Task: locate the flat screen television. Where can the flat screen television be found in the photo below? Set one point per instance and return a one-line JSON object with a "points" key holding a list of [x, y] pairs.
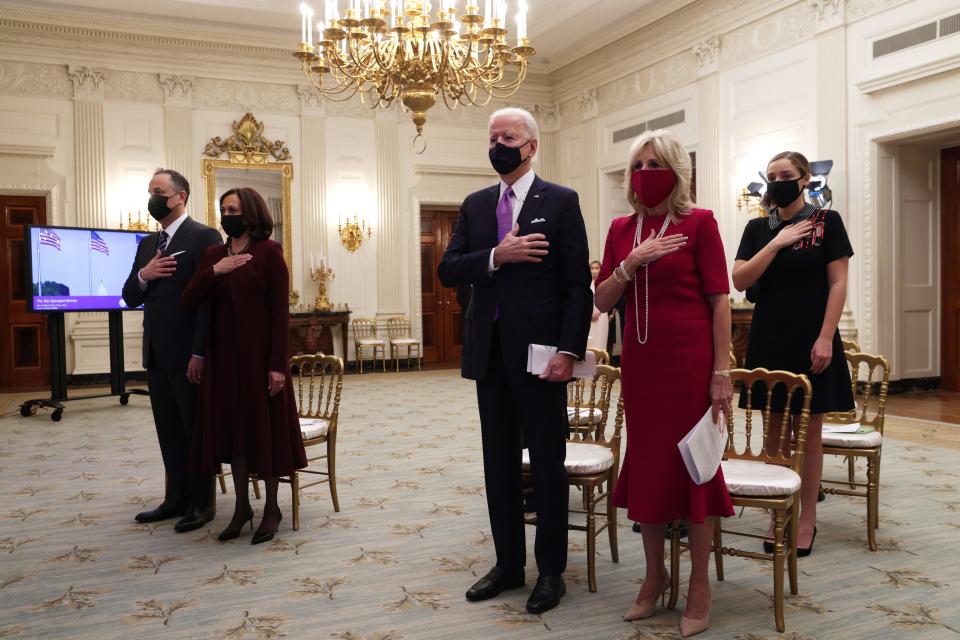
{"points": [[74, 269]]}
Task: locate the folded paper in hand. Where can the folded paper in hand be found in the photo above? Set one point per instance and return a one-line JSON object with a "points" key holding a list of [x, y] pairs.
{"points": [[539, 355], [703, 448]]}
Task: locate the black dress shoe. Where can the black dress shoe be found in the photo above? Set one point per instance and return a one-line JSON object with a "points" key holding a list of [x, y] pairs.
{"points": [[804, 552], [262, 536], [163, 512], [496, 580], [194, 519], [546, 595]]}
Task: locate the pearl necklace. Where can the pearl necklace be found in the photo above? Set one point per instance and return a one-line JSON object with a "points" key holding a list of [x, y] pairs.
{"points": [[646, 282]]}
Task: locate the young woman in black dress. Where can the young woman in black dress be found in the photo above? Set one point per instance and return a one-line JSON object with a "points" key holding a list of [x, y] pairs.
{"points": [[798, 256]]}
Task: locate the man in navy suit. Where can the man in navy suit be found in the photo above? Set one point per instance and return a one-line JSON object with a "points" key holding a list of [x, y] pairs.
{"points": [[523, 247]]}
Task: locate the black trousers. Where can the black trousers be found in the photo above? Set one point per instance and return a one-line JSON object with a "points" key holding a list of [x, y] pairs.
{"points": [[519, 410], [173, 399]]}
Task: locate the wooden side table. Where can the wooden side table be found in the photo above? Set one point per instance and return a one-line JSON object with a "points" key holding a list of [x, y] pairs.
{"points": [[310, 332]]}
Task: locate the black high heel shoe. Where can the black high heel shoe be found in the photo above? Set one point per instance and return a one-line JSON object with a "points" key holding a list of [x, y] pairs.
{"points": [[804, 552], [264, 536], [230, 534]]}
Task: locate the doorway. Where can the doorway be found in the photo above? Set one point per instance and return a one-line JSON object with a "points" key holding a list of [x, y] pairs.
{"points": [[950, 270], [439, 306], [23, 335]]}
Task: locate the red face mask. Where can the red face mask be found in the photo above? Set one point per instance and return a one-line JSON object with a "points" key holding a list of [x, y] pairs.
{"points": [[652, 186]]}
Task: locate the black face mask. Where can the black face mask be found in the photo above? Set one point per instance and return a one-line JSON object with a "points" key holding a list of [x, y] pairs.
{"points": [[157, 206], [234, 226], [506, 159], [784, 192]]}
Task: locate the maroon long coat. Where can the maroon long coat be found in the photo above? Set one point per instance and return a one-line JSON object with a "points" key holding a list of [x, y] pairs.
{"points": [[247, 338]]}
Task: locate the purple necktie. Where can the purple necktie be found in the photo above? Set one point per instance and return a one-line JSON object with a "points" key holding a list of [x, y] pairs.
{"points": [[504, 224], [504, 214]]}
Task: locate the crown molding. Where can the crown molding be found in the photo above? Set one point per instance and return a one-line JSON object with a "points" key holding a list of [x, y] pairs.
{"points": [[672, 35], [105, 45]]}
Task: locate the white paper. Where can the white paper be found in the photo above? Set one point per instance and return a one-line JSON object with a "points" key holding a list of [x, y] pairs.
{"points": [[841, 428], [538, 356], [702, 448]]}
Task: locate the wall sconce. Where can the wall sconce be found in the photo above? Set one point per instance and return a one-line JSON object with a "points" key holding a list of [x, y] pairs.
{"points": [[351, 233], [750, 197]]}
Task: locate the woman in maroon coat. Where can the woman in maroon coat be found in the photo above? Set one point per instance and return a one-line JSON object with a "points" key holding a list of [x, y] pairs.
{"points": [[247, 415]]}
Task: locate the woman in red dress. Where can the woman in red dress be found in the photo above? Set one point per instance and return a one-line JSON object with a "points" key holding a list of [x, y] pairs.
{"points": [[247, 415], [667, 259]]}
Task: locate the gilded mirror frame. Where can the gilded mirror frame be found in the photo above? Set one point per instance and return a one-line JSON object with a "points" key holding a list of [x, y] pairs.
{"points": [[247, 149]]}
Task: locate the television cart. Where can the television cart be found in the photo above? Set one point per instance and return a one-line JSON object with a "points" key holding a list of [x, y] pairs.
{"points": [[58, 368]]}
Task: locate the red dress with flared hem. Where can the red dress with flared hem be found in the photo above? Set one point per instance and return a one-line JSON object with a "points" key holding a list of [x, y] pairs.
{"points": [[666, 381]]}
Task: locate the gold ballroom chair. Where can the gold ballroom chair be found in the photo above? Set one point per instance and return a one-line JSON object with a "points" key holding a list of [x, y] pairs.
{"points": [[318, 380], [401, 338], [756, 478], [579, 414], [850, 345], [593, 463], [869, 411], [365, 337]]}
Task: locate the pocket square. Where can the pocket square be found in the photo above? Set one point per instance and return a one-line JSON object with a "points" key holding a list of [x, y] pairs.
{"points": [[536, 220]]}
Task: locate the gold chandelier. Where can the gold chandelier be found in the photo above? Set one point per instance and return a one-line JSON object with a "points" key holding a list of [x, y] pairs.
{"points": [[414, 59]]}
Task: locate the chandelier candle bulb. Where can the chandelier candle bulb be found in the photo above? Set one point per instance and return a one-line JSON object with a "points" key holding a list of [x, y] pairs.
{"points": [[306, 13], [521, 23]]}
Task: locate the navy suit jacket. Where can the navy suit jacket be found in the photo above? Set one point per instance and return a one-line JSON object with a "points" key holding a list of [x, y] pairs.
{"points": [[173, 331], [546, 302]]}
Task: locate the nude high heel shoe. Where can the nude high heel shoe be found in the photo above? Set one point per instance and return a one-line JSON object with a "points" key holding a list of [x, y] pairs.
{"points": [[693, 626], [645, 608]]}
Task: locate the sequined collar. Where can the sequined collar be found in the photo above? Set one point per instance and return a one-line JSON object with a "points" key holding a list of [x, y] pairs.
{"points": [[775, 219]]}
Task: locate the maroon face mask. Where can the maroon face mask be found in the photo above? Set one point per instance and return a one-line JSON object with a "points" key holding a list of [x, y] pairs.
{"points": [[652, 186]]}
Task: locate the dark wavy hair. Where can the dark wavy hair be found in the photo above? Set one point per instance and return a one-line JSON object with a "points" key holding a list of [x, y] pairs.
{"points": [[253, 210]]}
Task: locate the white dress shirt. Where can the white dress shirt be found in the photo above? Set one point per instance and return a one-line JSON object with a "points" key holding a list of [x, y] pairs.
{"points": [[520, 190], [170, 230]]}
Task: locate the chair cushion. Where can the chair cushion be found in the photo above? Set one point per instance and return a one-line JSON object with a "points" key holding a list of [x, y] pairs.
{"points": [[311, 428], [369, 341], [404, 341], [586, 414], [583, 459], [867, 439], [745, 478]]}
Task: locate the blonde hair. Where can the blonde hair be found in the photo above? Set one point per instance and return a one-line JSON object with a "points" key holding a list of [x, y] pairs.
{"points": [[670, 150]]}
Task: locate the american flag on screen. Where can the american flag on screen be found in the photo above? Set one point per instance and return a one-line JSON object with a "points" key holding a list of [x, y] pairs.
{"points": [[50, 238], [97, 243]]}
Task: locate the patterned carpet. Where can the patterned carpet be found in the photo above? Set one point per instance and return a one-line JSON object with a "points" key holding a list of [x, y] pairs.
{"points": [[412, 536]]}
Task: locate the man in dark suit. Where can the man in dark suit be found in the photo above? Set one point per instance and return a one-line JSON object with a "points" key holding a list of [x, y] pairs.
{"points": [[173, 344], [523, 247]]}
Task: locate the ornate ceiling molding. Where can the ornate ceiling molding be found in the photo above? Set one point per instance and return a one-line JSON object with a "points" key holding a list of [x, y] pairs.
{"points": [[177, 90], [708, 56], [828, 13], [87, 82]]}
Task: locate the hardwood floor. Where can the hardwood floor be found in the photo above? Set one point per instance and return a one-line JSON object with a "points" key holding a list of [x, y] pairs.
{"points": [[943, 406]]}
